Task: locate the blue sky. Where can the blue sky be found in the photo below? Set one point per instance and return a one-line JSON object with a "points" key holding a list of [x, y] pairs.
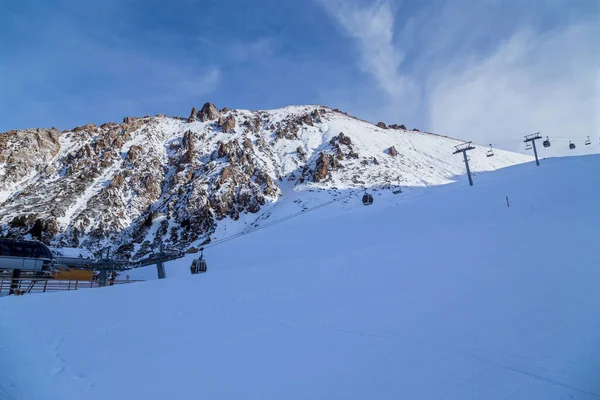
{"points": [[486, 70]]}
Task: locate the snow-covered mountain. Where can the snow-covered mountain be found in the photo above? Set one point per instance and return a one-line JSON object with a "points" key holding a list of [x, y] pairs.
{"points": [[180, 181]]}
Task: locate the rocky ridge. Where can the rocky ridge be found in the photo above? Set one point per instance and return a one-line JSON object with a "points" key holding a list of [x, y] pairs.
{"points": [[151, 180]]}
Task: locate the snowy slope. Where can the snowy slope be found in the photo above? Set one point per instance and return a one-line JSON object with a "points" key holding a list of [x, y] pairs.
{"points": [[437, 293], [181, 182]]}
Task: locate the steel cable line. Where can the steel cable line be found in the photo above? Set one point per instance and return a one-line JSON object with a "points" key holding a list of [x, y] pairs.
{"points": [[274, 222]]}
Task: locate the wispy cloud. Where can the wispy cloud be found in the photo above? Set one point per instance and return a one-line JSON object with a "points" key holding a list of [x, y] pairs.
{"points": [[486, 71], [532, 82], [258, 49], [371, 25]]}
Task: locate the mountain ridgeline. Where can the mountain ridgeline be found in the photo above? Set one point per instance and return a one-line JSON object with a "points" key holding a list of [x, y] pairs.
{"points": [[173, 180]]}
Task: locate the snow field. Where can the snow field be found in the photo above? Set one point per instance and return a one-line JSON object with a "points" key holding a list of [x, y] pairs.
{"points": [[436, 293]]}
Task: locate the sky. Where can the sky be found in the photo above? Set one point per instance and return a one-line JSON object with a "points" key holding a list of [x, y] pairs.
{"points": [[489, 71]]}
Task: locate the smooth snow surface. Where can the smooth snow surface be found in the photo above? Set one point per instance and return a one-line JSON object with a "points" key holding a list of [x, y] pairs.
{"points": [[437, 293]]}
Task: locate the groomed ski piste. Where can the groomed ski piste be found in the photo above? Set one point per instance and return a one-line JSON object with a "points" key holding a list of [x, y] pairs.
{"points": [[436, 293]]}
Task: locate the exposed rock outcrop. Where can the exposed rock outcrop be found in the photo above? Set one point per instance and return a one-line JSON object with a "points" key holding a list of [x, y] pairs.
{"points": [[392, 151], [227, 123], [322, 168], [193, 115], [209, 112], [301, 153]]}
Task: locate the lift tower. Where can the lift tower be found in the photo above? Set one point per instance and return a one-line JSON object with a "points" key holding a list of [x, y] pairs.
{"points": [[463, 148], [532, 138]]}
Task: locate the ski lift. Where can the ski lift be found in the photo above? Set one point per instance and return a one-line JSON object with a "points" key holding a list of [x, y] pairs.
{"points": [[199, 264], [588, 141], [367, 199], [546, 142], [528, 146], [571, 145], [490, 152]]}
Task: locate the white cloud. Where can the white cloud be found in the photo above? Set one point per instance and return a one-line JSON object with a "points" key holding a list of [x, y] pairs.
{"points": [[258, 49], [372, 27], [487, 71], [533, 82]]}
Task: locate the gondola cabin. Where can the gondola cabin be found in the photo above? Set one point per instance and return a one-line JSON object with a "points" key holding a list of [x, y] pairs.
{"points": [[199, 264], [367, 199], [546, 142]]}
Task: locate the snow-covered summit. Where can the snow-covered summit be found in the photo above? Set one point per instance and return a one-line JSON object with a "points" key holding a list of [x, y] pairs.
{"points": [[180, 180]]}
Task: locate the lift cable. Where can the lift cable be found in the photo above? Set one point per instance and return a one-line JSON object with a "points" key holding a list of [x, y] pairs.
{"points": [[274, 222]]}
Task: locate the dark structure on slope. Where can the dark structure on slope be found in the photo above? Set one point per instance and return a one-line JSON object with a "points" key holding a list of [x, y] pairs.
{"points": [[24, 255]]}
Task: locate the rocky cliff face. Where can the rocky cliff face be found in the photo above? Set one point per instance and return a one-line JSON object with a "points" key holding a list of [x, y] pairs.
{"points": [[151, 180]]}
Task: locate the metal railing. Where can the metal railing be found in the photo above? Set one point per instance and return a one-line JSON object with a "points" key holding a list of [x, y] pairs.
{"points": [[45, 284]]}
